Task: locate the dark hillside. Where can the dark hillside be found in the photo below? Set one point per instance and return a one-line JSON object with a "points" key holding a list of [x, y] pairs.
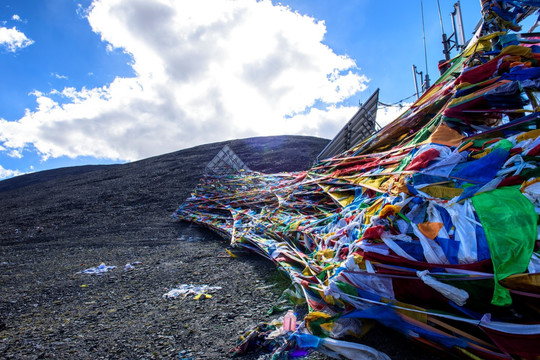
{"points": [[58, 222], [118, 196], [44, 176]]}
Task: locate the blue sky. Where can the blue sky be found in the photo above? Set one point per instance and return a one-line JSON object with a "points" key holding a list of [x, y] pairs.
{"points": [[108, 81]]}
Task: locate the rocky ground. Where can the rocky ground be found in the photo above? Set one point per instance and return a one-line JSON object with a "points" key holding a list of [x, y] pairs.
{"points": [[56, 223]]}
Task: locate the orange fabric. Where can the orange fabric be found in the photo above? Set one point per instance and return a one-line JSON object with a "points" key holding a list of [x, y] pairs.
{"points": [[399, 186], [445, 135], [519, 63], [430, 229]]}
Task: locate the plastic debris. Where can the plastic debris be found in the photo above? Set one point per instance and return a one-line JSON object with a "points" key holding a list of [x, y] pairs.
{"points": [[230, 253], [269, 338], [200, 291], [99, 270], [353, 351], [185, 355], [289, 322], [131, 266]]}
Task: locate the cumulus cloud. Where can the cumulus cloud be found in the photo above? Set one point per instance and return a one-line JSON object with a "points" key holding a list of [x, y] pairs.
{"points": [[16, 17], [205, 71], [387, 114], [7, 173], [13, 39]]}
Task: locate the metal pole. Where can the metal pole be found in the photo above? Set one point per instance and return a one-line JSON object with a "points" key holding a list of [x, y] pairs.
{"points": [[440, 17], [415, 81], [446, 46], [424, 36], [426, 84]]}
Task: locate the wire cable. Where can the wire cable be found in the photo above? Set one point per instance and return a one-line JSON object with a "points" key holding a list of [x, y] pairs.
{"points": [[397, 102]]}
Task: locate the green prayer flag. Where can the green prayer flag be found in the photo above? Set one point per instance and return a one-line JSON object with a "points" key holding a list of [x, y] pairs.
{"points": [[510, 224]]}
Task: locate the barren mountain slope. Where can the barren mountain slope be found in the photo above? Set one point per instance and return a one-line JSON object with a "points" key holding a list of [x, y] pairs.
{"points": [[59, 222]]}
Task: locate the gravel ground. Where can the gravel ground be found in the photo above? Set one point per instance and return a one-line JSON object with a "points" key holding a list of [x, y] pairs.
{"points": [[56, 223]]}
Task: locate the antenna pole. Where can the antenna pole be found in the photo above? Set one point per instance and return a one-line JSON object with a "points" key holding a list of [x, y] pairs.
{"points": [[424, 36], [440, 17], [426, 83], [445, 41]]}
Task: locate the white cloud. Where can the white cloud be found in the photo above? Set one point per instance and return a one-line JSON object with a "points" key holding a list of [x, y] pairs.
{"points": [[81, 11], [58, 76], [12, 39], [387, 114], [7, 173], [205, 71], [15, 153], [16, 17]]}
